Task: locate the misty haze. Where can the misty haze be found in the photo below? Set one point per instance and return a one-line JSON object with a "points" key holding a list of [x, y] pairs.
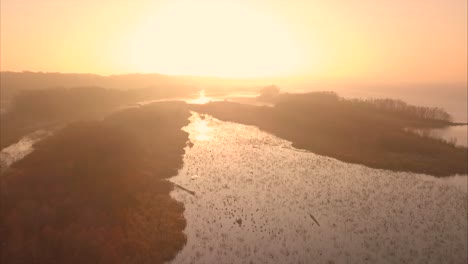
{"points": [[157, 131]]}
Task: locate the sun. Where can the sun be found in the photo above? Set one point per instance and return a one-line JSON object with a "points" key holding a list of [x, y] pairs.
{"points": [[213, 38]]}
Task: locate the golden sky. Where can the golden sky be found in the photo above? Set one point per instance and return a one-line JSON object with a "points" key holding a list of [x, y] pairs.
{"points": [[397, 40]]}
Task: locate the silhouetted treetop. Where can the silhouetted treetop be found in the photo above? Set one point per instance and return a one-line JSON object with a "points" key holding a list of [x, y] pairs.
{"points": [[388, 106]]}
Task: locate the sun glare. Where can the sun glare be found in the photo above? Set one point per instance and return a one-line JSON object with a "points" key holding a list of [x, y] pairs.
{"points": [[214, 38], [201, 130], [201, 99]]}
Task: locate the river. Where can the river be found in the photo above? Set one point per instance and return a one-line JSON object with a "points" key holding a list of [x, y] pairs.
{"points": [[259, 200], [20, 149]]}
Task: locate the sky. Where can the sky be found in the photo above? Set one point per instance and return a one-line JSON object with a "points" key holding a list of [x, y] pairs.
{"points": [[372, 40]]}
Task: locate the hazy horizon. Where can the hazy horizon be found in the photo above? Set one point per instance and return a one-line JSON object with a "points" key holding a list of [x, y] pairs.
{"points": [[303, 80], [397, 41]]}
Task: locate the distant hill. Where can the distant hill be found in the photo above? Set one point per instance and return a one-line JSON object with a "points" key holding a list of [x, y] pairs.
{"points": [[13, 82]]}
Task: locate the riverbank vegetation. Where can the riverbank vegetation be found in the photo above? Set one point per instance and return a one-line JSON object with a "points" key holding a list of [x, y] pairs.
{"points": [[96, 192], [368, 132], [35, 109]]}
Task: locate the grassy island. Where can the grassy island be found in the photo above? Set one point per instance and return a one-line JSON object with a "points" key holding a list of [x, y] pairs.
{"points": [[368, 132], [96, 192]]}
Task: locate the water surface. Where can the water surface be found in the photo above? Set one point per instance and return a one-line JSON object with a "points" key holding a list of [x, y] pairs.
{"points": [[458, 135], [259, 200], [20, 149]]}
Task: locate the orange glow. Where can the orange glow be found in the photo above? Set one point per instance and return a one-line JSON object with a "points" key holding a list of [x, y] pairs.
{"points": [[396, 40], [214, 38], [201, 99]]}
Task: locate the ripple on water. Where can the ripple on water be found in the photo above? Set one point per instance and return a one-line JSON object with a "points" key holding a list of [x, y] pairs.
{"points": [[257, 197]]}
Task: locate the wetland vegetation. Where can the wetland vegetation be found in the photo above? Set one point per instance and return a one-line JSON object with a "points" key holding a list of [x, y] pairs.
{"points": [[96, 191], [368, 132]]}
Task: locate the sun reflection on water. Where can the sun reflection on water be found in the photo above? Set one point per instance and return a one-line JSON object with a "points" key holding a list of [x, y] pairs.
{"points": [[240, 164], [202, 99], [201, 129]]}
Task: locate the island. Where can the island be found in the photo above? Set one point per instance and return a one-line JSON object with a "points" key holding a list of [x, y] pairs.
{"points": [[371, 132], [97, 191]]}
